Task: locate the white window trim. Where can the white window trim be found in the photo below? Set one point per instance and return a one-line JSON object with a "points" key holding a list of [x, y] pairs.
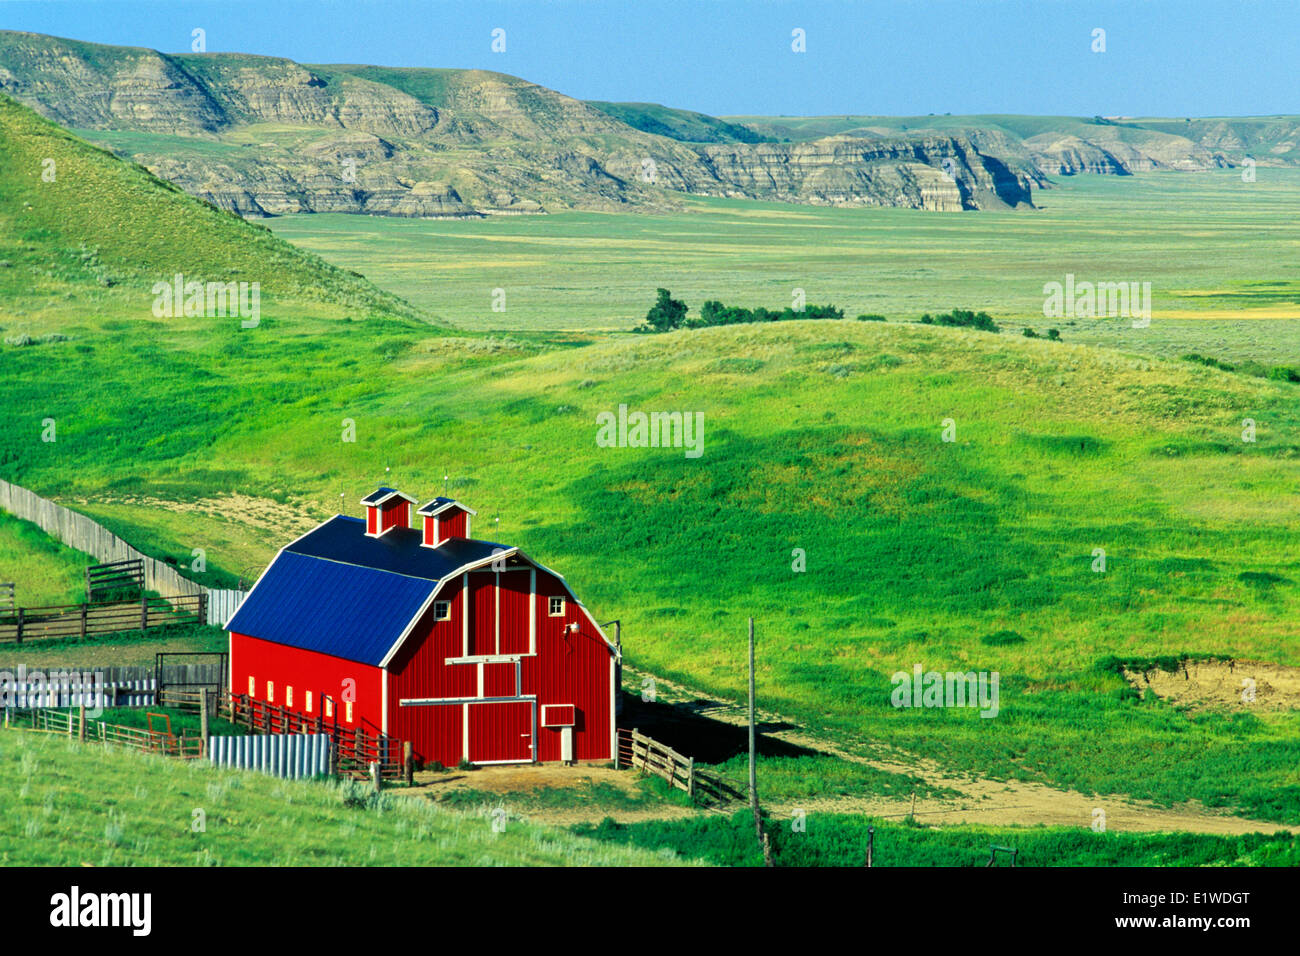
{"points": [[446, 608], [555, 597]]}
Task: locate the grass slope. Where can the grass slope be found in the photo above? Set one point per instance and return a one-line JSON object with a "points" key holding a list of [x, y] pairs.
{"points": [[98, 235], [824, 436], [684, 125], [42, 570], [142, 809]]}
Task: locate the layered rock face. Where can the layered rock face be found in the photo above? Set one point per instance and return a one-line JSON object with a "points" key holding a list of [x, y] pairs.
{"points": [[267, 136]]}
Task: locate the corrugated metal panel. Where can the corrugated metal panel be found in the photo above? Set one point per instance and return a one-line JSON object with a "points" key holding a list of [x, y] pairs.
{"points": [[330, 608], [289, 756]]}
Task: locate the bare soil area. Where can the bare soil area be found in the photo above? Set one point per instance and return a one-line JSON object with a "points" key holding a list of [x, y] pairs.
{"points": [[1227, 685]]}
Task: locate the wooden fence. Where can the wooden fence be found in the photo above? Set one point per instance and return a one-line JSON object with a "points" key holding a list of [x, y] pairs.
{"points": [[72, 724], [354, 749], [125, 575], [82, 620], [77, 531], [644, 753]]}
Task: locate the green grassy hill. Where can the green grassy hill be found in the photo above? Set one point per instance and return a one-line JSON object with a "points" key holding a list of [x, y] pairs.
{"points": [[142, 812], [82, 232], [825, 436], [685, 125]]}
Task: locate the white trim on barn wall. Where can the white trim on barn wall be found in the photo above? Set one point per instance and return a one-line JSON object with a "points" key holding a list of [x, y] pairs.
{"points": [[383, 724], [613, 720], [532, 611], [496, 611]]}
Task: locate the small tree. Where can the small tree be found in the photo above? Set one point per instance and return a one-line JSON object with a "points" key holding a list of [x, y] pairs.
{"points": [[666, 314]]}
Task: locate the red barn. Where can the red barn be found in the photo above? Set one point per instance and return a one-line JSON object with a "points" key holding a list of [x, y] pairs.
{"points": [[468, 649]]}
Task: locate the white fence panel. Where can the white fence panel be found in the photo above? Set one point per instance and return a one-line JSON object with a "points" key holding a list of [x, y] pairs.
{"points": [[222, 605]]}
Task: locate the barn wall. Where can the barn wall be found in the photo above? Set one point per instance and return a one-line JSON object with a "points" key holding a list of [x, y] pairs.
{"points": [[305, 671], [570, 668]]}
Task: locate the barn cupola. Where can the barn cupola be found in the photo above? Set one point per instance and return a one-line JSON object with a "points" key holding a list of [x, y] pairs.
{"points": [[445, 518], [386, 508]]}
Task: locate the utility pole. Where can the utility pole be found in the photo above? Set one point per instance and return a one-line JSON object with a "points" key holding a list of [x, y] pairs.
{"points": [[753, 764]]}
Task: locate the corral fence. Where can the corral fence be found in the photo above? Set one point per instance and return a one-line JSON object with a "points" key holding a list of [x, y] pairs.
{"points": [[85, 534], [122, 566], [7, 596], [353, 749], [648, 755], [76, 725], [105, 687], [125, 575], [110, 617]]}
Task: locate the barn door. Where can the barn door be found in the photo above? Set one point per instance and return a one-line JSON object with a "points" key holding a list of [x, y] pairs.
{"points": [[501, 732]]}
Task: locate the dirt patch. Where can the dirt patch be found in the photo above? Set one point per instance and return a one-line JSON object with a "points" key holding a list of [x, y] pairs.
{"points": [[580, 794], [281, 521], [1223, 685]]}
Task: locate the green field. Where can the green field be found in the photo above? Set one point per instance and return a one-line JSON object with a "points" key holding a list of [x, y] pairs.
{"points": [[141, 812], [975, 554], [42, 570], [1215, 250], [835, 840]]}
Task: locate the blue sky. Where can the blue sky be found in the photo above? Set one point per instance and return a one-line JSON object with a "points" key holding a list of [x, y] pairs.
{"points": [[903, 57]]}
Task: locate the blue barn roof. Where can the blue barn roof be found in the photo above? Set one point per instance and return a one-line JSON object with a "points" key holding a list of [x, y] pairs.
{"points": [[337, 591]]}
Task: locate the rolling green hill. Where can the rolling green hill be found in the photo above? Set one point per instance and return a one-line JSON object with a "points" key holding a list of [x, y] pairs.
{"points": [[685, 125], [81, 228], [824, 436], [142, 812]]}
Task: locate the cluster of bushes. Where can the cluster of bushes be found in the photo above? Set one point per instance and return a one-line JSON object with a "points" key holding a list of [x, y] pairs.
{"points": [[1277, 373], [668, 313], [962, 317], [1053, 334]]}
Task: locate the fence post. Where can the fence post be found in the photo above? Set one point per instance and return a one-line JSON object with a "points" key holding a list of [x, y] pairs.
{"points": [[375, 778], [83, 621], [81, 721], [203, 607], [19, 637], [203, 716], [408, 762], [690, 776]]}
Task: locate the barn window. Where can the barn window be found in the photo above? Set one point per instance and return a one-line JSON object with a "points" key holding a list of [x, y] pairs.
{"points": [[556, 607], [270, 692], [288, 696], [442, 610], [329, 707], [347, 711], [252, 685], [307, 701]]}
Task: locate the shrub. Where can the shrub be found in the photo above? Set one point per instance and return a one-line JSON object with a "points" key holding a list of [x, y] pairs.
{"points": [[1002, 639], [1029, 333], [1054, 334], [871, 317]]}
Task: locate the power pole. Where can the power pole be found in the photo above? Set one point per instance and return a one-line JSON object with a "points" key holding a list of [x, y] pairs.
{"points": [[753, 764]]}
